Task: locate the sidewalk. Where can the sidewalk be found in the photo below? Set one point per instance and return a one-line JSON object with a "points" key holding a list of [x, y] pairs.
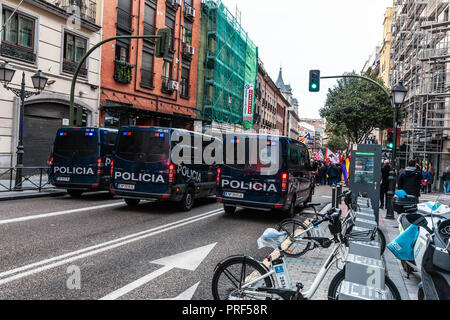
{"points": [[407, 287], [26, 194]]}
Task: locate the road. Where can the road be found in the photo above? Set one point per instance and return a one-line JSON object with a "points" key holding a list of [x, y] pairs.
{"points": [[97, 247]]}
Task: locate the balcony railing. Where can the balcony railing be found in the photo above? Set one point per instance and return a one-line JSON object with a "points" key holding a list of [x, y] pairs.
{"points": [[86, 9], [70, 67], [124, 20], [165, 85], [147, 78], [17, 52]]}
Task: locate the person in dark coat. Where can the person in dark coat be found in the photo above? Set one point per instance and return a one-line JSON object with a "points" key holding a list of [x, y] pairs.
{"points": [[323, 174], [446, 178], [333, 173], [410, 180], [384, 186]]}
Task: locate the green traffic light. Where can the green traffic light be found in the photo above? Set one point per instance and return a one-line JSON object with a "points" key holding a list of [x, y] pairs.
{"points": [[390, 145]]}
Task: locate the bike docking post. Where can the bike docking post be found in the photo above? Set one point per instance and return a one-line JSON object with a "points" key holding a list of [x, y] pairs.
{"points": [[364, 269], [333, 198]]}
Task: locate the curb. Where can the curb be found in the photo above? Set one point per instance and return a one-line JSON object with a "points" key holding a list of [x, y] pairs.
{"points": [[31, 195]]}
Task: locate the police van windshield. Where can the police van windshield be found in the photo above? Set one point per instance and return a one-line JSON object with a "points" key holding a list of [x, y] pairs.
{"points": [[145, 146], [251, 153], [76, 144]]}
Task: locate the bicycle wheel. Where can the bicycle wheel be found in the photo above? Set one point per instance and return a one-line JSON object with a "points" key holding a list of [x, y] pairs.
{"points": [[381, 240], [335, 287], [294, 246], [232, 274]]}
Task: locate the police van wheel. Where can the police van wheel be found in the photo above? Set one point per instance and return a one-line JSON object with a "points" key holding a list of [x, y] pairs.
{"points": [[229, 209], [132, 202], [75, 193], [187, 203]]}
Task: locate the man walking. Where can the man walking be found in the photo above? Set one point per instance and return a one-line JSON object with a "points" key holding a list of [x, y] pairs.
{"points": [[384, 186], [333, 173], [446, 178], [410, 180]]}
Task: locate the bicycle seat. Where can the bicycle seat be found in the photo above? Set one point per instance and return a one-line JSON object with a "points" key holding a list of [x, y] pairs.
{"points": [[312, 204]]}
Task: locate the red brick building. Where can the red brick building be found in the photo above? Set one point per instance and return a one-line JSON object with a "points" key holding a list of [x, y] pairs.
{"points": [[136, 87]]}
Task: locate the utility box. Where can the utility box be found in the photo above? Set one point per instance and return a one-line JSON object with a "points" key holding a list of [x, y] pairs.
{"points": [[365, 173]]}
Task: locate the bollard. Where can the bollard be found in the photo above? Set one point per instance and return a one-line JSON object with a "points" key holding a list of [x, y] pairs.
{"points": [[333, 197], [339, 194]]}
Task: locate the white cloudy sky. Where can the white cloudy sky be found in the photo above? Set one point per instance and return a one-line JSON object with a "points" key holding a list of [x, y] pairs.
{"points": [[334, 36]]}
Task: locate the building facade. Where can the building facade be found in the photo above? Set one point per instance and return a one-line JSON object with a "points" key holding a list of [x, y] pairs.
{"points": [[267, 94], [420, 58], [137, 88], [51, 36]]}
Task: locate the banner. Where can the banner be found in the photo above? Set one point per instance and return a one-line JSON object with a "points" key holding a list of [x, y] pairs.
{"points": [[305, 138], [248, 102]]}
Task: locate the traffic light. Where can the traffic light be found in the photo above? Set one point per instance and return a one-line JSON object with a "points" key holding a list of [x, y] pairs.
{"points": [[390, 140], [314, 80], [162, 44]]}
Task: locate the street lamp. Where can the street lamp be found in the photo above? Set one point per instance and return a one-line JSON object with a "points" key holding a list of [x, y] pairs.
{"points": [[398, 97], [39, 82]]}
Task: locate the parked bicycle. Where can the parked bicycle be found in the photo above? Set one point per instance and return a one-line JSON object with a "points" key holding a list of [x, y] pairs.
{"points": [[300, 233], [244, 278]]}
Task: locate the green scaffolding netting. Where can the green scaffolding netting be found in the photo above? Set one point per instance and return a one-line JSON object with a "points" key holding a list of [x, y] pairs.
{"points": [[228, 61]]}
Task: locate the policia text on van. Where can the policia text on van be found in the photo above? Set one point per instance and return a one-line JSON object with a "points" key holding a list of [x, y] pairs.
{"points": [[81, 159], [285, 188], [143, 168]]}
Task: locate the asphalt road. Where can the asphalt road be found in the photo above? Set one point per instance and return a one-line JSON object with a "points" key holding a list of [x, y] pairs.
{"points": [[97, 247]]}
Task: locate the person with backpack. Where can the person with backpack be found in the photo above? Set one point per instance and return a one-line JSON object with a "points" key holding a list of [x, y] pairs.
{"points": [[410, 180], [446, 178]]}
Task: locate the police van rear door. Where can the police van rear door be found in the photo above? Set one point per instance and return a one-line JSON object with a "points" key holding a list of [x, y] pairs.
{"points": [[142, 163], [75, 155], [247, 176]]}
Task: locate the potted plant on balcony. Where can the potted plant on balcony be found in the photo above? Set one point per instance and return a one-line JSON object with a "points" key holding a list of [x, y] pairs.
{"points": [[123, 72]]}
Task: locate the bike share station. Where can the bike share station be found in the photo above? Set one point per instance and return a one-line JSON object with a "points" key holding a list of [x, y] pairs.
{"points": [[365, 270]]}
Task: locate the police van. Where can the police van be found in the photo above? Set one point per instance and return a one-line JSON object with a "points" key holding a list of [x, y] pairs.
{"points": [[281, 180], [144, 167], [81, 159]]}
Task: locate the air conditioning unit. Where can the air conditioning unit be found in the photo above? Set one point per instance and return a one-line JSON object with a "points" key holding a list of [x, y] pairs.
{"points": [[173, 85], [174, 2], [190, 12], [189, 50]]}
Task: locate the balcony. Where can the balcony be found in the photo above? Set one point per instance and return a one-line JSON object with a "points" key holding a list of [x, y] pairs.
{"points": [[86, 10], [124, 20], [70, 67], [17, 52], [147, 77], [123, 72], [165, 85]]}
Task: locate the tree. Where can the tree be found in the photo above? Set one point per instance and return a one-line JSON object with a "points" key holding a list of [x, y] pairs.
{"points": [[355, 107], [336, 138]]}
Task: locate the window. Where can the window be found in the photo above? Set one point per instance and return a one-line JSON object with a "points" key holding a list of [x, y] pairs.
{"points": [[18, 36], [170, 23], [147, 69], [122, 49], [184, 85], [74, 49], [166, 76], [187, 33]]}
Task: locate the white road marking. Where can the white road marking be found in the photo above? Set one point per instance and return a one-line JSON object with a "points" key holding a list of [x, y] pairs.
{"points": [[60, 213], [54, 262], [188, 260]]}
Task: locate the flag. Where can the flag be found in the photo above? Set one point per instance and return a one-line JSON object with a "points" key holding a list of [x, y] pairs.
{"points": [[332, 157], [346, 169], [305, 138]]}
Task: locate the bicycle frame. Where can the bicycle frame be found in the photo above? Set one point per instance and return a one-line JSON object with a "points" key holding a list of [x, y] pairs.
{"points": [[315, 285]]}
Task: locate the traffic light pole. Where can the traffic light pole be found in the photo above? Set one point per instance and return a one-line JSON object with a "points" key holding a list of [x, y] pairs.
{"points": [[77, 71], [360, 77]]}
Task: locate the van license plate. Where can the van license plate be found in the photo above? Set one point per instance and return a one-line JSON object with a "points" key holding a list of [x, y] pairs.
{"points": [[126, 186], [63, 179], [234, 195]]}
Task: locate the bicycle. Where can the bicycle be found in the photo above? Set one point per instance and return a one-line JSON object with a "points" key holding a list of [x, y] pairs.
{"points": [[257, 281], [300, 234]]}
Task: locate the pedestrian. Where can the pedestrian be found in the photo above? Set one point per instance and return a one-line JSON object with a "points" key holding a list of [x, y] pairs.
{"points": [[384, 185], [324, 173], [410, 179], [431, 181], [446, 178], [426, 177], [333, 173]]}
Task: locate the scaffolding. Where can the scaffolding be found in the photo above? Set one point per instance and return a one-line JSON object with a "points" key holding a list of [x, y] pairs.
{"points": [[420, 58], [228, 62]]}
